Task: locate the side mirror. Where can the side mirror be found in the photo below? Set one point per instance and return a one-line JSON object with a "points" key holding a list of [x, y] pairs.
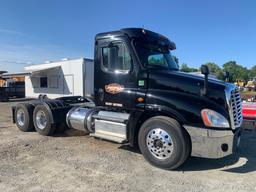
{"points": [[205, 70]]}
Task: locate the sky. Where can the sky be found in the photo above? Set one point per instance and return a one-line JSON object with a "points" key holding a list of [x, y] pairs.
{"points": [[35, 31]]}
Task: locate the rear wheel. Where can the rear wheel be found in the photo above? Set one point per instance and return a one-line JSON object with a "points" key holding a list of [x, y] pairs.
{"points": [[43, 120], [24, 117], [163, 142]]}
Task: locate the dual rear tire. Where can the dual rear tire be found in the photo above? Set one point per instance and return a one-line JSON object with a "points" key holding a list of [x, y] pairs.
{"points": [[39, 118], [24, 117], [43, 122]]}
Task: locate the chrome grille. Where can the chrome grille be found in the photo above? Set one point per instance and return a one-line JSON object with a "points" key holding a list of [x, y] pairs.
{"points": [[235, 108]]}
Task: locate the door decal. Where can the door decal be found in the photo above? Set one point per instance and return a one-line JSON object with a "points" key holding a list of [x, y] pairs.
{"points": [[114, 88]]}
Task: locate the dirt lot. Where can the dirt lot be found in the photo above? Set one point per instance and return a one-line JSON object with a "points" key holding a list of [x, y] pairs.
{"points": [[75, 162]]}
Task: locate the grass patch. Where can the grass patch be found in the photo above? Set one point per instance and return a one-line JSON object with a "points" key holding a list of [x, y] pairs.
{"points": [[247, 94]]}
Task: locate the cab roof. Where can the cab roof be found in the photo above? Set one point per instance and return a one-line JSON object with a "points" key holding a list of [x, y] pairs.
{"points": [[138, 33]]}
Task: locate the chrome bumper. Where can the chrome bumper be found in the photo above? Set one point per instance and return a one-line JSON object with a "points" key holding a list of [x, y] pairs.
{"points": [[213, 144]]}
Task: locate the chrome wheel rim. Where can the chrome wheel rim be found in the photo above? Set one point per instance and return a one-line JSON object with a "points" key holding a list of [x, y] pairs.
{"points": [[21, 117], [159, 143], [41, 120]]}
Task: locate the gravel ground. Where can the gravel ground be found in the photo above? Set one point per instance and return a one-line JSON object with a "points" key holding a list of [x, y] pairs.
{"points": [[76, 162]]}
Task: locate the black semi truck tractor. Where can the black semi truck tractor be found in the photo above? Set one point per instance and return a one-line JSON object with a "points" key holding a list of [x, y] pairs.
{"points": [[141, 98]]}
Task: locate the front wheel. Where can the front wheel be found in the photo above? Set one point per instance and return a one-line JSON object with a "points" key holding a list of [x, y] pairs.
{"points": [[164, 143]]}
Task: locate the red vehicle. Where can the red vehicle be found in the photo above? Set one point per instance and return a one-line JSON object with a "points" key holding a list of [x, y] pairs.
{"points": [[249, 115]]}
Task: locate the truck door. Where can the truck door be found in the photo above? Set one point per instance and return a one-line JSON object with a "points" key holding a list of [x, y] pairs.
{"points": [[115, 74]]}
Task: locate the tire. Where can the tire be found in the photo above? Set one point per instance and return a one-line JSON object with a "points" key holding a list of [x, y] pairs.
{"points": [[164, 143], [24, 117], [42, 119]]}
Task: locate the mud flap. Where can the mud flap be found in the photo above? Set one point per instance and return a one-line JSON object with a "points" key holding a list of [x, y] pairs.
{"points": [[13, 114]]}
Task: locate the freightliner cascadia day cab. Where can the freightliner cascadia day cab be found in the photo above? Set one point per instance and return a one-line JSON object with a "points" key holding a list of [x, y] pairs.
{"points": [[141, 98]]}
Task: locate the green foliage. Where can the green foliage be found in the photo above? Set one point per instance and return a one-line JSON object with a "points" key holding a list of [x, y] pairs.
{"points": [[236, 71], [154, 60], [215, 70], [184, 67], [252, 72]]}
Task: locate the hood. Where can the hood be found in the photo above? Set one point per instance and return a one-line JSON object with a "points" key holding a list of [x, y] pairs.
{"points": [[187, 83], [211, 78]]}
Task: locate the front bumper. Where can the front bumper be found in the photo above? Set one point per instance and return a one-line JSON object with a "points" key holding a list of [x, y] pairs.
{"points": [[211, 143]]}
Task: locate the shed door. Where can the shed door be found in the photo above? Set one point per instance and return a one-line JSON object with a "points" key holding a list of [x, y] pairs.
{"points": [[68, 85]]}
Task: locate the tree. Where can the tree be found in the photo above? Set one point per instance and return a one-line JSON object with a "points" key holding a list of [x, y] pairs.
{"points": [[184, 67], [215, 70], [236, 71], [252, 73]]}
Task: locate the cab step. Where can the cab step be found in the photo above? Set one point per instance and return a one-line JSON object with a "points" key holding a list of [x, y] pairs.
{"points": [[109, 137], [111, 126]]}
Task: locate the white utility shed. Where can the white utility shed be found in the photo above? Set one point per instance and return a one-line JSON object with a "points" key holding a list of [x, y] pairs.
{"points": [[63, 78]]}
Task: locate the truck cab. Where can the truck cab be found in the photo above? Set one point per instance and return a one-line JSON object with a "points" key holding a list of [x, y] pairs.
{"points": [[141, 98], [12, 89]]}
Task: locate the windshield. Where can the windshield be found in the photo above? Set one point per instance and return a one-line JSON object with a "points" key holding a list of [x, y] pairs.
{"points": [[155, 56]]}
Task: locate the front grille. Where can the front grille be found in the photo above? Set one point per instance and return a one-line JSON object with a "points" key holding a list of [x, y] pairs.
{"points": [[235, 109]]}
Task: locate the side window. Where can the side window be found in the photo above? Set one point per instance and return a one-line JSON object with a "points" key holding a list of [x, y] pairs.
{"points": [[43, 82], [157, 59], [116, 58]]}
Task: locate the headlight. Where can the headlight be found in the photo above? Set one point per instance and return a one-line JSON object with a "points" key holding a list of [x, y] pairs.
{"points": [[214, 119]]}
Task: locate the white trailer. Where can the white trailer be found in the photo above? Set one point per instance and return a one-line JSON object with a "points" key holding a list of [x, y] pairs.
{"points": [[58, 79]]}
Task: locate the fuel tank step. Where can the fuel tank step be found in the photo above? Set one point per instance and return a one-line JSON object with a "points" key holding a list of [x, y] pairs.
{"points": [[111, 126], [109, 137]]}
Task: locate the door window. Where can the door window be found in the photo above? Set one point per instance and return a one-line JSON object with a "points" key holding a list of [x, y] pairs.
{"points": [[157, 59], [116, 58]]}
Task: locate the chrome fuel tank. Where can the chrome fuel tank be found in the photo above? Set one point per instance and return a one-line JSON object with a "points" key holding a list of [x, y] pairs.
{"points": [[80, 118]]}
